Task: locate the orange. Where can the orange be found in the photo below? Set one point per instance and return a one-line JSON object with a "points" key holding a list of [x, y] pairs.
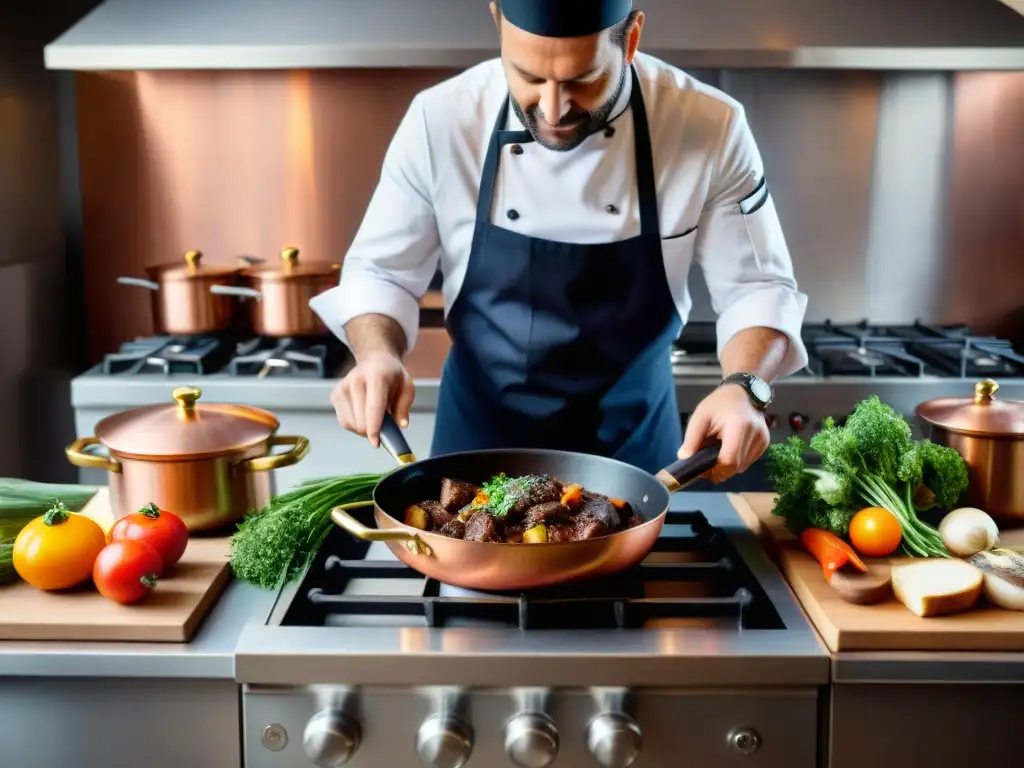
{"points": [[875, 532]]}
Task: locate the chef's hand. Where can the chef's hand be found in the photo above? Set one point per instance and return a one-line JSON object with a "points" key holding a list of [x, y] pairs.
{"points": [[727, 414], [377, 384]]}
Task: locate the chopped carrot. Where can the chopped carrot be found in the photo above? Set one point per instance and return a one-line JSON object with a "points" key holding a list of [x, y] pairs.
{"points": [[481, 499], [618, 503], [831, 552], [572, 495]]}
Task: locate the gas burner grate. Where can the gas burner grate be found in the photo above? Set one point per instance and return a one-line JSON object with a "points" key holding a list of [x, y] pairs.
{"points": [[866, 358], [167, 354], [909, 350], [294, 358], [616, 602]]}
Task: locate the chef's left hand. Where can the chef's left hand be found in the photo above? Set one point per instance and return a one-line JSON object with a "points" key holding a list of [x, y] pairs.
{"points": [[727, 414]]}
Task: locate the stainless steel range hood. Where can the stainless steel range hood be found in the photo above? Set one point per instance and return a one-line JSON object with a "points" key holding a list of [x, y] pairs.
{"points": [[286, 34]]}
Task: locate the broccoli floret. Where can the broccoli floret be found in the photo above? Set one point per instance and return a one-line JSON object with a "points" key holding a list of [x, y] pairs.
{"points": [[881, 436], [786, 465], [798, 502], [945, 473]]}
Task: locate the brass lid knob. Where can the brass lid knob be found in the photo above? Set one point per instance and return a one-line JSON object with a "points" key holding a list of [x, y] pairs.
{"points": [[984, 391], [290, 256], [192, 258], [186, 398]]}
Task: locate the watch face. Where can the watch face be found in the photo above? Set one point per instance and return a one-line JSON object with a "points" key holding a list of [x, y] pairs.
{"points": [[759, 388]]}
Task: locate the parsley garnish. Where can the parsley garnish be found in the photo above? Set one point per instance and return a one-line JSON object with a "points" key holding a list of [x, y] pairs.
{"points": [[503, 492]]}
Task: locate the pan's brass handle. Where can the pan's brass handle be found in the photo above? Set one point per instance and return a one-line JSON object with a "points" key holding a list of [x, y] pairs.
{"points": [[80, 457], [300, 447], [345, 521]]}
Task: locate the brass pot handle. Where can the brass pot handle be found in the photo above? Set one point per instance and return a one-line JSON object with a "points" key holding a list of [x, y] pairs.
{"points": [[346, 522], [300, 447], [80, 457]]}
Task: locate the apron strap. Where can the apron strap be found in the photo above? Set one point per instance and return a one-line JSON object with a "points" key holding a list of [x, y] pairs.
{"points": [[499, 138], [647, 193]]}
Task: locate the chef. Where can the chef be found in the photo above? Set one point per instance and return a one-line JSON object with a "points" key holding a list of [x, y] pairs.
{"points": [[565, 190]]}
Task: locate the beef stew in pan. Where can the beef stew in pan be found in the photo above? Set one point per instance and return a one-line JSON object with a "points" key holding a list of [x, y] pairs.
{"points": [[530, 509]]}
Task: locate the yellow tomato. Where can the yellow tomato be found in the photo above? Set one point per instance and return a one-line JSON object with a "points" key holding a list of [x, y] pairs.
{"points": [[57, 550], [875, 532]]}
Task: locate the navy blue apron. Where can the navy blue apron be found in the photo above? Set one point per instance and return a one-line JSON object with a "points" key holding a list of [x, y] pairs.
{"points": [[561, 345]]}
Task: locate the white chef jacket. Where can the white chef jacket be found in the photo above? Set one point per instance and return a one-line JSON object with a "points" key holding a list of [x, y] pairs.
{"points": [[714, 207]]}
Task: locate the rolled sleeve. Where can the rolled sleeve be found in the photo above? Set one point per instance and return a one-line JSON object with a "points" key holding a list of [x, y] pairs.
{"points": [[742, 251], [395, 253]]}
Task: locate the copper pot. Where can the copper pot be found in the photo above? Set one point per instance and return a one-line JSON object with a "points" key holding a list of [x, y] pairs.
{"points": [[209, 464], [183, 302], [989, 434], [281, 292]]}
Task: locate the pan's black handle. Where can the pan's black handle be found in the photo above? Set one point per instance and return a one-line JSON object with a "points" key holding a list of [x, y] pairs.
{"points": [[682, 472], [394, 442]]}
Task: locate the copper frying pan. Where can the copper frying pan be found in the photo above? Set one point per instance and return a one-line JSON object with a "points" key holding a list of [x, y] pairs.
{"points": [[514, 567]]}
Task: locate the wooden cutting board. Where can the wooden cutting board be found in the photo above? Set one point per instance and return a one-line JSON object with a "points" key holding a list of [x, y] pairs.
{"points": [[886, 626], [171, 613]]}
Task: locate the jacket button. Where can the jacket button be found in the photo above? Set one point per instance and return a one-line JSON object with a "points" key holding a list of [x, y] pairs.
{"points": [[611, 209], [609, 131], [517, 149], [512, 214]]}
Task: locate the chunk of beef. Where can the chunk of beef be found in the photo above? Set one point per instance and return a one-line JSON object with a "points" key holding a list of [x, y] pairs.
{"points": [[589, 528], [598, 507], [456, 494], [454, 529], [548, 512], [439, 516], [483, 526], [563, 532], [538, 489]]}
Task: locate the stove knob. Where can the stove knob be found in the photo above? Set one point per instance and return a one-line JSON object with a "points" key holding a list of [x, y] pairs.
{"points": [[331, 738], [444, 741], [614, 740], [746, 741], [531, 740]]}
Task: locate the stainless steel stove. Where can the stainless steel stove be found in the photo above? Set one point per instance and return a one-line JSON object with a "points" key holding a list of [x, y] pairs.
{"points": [[698, 657], [903, 364], [205, 355]]}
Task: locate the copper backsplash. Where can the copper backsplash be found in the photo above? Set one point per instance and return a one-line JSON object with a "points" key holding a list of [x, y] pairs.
{"points": [[229, 163], [235, 163]]}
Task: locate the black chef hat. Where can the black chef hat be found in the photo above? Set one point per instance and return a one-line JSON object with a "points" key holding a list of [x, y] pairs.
{"points": [[565, 18]]}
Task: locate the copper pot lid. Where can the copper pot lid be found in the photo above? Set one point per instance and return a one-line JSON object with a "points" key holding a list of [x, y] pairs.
{"points": [[192, 268], [185, 429], [289, 267], [983, 415]]}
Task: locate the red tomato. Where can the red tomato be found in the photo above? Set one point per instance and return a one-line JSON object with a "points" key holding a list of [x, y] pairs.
{"points": [[125, 571], [163, 531]]}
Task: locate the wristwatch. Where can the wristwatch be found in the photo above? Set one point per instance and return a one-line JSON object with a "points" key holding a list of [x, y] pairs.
{"points": [[759, 390]]}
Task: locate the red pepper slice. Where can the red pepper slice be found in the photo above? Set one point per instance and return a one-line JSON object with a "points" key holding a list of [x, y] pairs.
{"points": [[831, 552]]}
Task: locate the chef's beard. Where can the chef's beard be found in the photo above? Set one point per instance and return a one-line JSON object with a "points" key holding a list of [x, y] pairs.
{"points": [[586, 122]]}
